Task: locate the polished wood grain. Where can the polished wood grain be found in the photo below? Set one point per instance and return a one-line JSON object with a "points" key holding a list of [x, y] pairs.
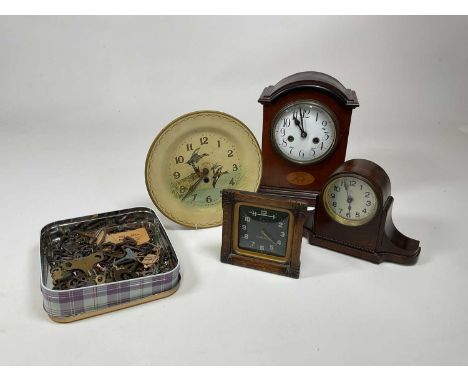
{"points": [[378, 240], [278, 171]]}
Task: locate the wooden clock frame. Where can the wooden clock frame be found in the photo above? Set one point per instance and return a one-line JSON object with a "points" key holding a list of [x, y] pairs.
{"points": [[378, 239], [286, 178], [230, 252]]}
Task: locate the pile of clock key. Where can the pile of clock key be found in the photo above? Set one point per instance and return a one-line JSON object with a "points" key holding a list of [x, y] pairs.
{"points": [[206, 168]]}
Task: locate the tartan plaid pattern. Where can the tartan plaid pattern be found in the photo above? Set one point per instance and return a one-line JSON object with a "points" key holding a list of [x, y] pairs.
{"points": [[64, 303]]}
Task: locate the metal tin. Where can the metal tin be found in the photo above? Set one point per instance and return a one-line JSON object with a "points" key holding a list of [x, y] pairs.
{"points": [[75, 304]]}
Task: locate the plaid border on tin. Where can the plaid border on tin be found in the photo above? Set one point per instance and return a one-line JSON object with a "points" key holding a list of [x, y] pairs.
{"points": [[72, 302]]}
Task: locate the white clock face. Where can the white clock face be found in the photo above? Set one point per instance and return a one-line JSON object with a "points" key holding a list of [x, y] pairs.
{"points": [[304, 132], [350, 200]]}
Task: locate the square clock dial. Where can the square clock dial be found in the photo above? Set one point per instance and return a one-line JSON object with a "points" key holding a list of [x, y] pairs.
{"points": [[263, 230]]}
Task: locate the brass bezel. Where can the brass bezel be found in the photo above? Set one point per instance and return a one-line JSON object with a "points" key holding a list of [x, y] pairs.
{"points": [[340, 219], [244, 252], [320, 106]]}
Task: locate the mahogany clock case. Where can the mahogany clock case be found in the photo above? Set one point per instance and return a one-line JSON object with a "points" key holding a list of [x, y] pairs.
{"points": [[230, 253], [286, 178], [377, 240]]}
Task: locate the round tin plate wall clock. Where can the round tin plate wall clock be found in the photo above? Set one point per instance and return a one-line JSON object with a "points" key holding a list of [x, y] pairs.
{"points": [[193, 159]]}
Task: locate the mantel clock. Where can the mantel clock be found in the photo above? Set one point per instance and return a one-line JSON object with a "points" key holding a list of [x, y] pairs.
{"points": [[353, 215], [306, 120]]}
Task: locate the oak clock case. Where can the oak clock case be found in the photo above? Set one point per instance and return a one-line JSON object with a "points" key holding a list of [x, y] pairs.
{"points": [[196, 156], [262, 232], [306, 119], [353, 215]]}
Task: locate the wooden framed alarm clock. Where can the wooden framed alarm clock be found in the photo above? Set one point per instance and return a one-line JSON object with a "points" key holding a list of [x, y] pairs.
{"points": [[306, 119], [353, 215], [262, 232]]}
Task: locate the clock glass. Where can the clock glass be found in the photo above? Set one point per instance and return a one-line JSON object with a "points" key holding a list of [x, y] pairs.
{"points": [[263, 230], [350, 200], [304, 132], [193, 159]]}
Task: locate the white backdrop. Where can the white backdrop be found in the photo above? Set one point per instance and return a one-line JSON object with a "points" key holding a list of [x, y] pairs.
{"points": [[81, 100]]}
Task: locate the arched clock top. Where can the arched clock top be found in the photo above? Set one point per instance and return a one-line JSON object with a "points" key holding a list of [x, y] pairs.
{"points": [[311, 80]]}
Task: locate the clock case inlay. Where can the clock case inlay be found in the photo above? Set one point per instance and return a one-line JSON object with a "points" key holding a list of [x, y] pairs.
{"points": [[377, 240], [282, 177], [298, 210]]}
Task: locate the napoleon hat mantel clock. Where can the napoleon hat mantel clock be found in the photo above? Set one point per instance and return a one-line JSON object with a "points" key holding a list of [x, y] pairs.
{"points": [[306, 119], [353, 215]]}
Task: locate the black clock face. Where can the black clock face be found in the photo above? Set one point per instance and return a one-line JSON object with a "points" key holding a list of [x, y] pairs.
{"points": [[263, 230]]}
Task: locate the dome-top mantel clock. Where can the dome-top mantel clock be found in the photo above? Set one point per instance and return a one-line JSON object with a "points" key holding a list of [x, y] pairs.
{"points": [[306, 120]]}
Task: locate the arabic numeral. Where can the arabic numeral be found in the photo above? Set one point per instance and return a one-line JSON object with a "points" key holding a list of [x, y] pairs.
{"points": [[358, 215], [348, 214], [189, 147], [352, 183], [194, 197], [332, 195], [334, 204], [286, 123], [208, 199], [282, 234], [301, 153], [324, 123], [234, 167], [246, 235], [179, 159], [176, 175], [262, 248], [231, 182], [182, 189], [243, 227], [337, 188], [328, 136], [368, 203], [291, 148], [230, 153], [313, 152], [364, 211], [280, 225], [272, 247], [219, 143], [367, 194], [247, 219], [284, 143], [204, 140], [283, 132], [278, 242]]}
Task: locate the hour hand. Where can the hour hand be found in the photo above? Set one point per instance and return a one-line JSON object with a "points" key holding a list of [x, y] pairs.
{"points": [[300, 125]]}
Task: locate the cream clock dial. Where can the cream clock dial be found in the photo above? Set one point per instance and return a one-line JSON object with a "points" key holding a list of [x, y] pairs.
{"points": [[193, 159], [304, 132], [350, 200]]}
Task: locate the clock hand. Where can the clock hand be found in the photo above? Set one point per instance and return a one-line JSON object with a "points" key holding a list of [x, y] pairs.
{"points": [[194, 186], [303, 133], [298, 124], [349, 198], [268, 237]]}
